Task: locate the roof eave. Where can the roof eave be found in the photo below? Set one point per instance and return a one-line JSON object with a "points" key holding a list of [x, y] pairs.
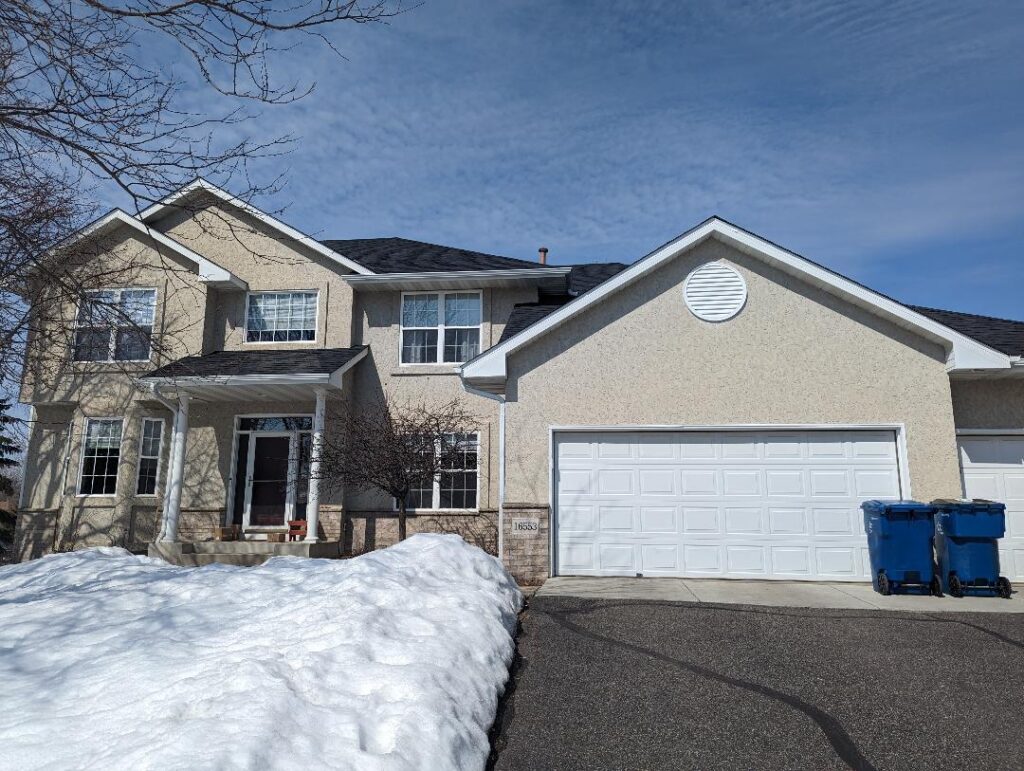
{"points": [[551, 277], [963, 353]]}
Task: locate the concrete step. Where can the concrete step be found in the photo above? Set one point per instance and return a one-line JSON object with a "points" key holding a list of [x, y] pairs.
{"points": [[241, 560], [266, 548]]}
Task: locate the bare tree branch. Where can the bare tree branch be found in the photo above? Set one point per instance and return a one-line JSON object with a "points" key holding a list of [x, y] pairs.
{"points": [[397, 448]]}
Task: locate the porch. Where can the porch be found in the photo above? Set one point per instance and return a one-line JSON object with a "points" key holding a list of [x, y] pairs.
{"points": [[271, 487], [242, 553]]}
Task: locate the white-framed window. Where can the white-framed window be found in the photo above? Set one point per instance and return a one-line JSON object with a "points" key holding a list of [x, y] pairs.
{"points": [[281, 317], [115, 325], [456, 486], [101, 456], [440, 327], [150, 442]]}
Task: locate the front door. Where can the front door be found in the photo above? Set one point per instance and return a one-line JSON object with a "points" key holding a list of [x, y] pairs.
{"points": [[269, 490]]}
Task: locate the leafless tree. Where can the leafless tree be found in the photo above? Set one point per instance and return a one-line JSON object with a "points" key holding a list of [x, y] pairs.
{"points": [[93, 95], [397, 448]]}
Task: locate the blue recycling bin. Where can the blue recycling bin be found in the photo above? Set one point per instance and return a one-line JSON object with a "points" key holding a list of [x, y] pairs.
{"points": [[966, 544], [900, 544]]}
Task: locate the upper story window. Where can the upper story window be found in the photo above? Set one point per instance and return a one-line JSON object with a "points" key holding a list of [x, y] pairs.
{"points": [[440, 327], [281, 317], [115, 325]]}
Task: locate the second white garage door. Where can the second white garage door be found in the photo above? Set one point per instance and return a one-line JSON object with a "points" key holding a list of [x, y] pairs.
{"points": [[766, 504]]}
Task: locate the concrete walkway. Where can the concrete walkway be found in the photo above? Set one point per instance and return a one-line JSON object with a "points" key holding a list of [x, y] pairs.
{"points": [[794, 594]]}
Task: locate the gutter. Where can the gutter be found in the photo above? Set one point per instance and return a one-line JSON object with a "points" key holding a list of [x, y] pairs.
{"points": [[501, 464]]}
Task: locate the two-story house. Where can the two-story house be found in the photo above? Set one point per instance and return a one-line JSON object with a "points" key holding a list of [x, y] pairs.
{"points": [[720, 407]]}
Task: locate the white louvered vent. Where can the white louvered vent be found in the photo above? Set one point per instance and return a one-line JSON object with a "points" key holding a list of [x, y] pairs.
{"points": [[714, 292]]}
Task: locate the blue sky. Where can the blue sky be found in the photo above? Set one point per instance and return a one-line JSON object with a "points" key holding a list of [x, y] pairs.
{"points": [[883, 139]]}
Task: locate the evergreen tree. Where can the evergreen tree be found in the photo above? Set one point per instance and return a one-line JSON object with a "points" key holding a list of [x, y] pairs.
{"points": [[9, 448]]}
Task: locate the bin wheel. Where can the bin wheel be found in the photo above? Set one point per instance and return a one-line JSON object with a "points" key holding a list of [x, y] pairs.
{"points": [[936, 586], [884, 587], [956, 587], [1003, 588]]}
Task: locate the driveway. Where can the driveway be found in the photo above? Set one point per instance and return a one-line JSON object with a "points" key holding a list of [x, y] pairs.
{"points": [[649, 684]]}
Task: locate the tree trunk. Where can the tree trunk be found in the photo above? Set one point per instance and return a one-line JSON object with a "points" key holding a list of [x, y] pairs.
{"points": [[401, 520]]}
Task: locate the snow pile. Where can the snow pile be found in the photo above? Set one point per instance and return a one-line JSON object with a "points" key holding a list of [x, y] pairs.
{"points": [[392, 660]]}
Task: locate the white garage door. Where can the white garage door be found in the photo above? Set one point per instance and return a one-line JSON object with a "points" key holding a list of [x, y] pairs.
{"points": [[782, 505], [993, 468]]}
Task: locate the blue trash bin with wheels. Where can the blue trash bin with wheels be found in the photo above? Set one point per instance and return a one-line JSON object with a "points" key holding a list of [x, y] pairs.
{"points": [[966, 544], [900, 544]]}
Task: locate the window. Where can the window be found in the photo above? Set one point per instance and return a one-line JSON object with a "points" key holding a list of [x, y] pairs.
{"points": [[101, 457], [440, 328], [115, 325], [281, 317], [149, 456], [455, 487]]}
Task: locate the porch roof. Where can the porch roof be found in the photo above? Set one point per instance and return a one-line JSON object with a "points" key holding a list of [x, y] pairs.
{"points": [[256, 374]]}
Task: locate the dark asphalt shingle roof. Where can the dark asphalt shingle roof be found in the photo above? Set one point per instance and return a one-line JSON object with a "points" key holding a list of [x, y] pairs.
{"points": [[401, 255], [316, 361], [1005, 335], [582, 278]]}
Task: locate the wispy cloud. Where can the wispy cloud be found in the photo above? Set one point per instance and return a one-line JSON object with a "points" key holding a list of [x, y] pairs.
{"points": [[872, 136]]}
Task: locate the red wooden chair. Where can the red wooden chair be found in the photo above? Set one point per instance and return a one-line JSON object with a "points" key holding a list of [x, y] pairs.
{"points": [[296, 530]]}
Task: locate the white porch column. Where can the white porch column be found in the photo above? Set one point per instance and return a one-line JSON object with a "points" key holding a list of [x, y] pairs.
{"points": [[176, 472], [316, 450]]}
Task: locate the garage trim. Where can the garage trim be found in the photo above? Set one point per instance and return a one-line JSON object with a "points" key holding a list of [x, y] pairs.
{"points": [[899, 429]]}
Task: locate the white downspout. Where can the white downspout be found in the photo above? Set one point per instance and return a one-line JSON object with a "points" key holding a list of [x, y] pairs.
{"points": [[501, 463]]}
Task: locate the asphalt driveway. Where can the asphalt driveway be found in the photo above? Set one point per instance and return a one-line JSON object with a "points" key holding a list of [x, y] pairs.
{"points": [[633, 684]]}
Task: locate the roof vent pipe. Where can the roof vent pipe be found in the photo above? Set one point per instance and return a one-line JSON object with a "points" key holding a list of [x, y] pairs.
{"points": [[543, 255]]}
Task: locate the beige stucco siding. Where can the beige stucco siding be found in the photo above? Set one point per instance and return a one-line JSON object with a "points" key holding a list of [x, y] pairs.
{"points": [[794, 355], [267, 261], [377, 324], [995, 403]]}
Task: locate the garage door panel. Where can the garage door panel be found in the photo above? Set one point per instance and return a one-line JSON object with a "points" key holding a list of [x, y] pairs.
{"points": [[750, 560], [993, 468], [755, 504], [659, 558], [658, 519], [702, 558], [785, 483], [876, 483], [837, 561], [741, 482], [658, 482], [834, 522], [791, 561], [744, 521], [613, 519]]}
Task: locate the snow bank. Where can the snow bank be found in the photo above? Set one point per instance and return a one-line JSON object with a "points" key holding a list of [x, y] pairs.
{"points": [[392, 660]]}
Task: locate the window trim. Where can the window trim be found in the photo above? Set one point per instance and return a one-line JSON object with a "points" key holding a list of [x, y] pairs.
{"points": [[112, 344], [435, 492], [86, 420], [159, 456], [316, 317], [440, 327]]}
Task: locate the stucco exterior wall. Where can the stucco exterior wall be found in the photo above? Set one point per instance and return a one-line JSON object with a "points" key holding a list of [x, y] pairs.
{"points": [[988, 402], [267, 261], [181, 299], [377, 324], [794, 355]]}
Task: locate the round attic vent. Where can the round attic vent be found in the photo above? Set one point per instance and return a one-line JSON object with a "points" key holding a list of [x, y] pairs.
{"points": [[714, 292]]}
